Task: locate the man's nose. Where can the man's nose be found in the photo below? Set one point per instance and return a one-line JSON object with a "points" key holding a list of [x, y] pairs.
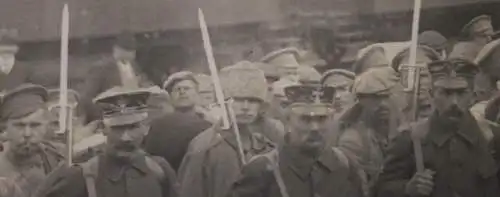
{"points": [[314, 126], [27, 132], [126, 137], [245, 105]]}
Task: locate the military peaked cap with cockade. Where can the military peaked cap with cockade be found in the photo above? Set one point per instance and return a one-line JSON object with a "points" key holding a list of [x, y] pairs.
{"points": [[310, 100], [122, 106]]}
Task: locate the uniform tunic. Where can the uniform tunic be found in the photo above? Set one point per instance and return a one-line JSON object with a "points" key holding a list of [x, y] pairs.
{"points": [[28, 176], [302, 177], [462, 160], [134, 179], [213, 163]]}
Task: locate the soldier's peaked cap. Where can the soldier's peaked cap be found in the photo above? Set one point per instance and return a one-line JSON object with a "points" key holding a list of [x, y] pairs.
{"points": [[333, 72], [23, 100], [453, 73], [310, 100], [287, 57], [122, 106], [477, 24]]}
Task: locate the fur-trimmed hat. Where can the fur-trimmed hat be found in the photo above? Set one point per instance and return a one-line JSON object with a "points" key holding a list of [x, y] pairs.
{"points": [[176, 78], [244, 80]]}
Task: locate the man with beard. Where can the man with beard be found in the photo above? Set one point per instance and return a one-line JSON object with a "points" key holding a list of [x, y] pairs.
{"points": [[170, 135], [306, 164], [341, 80], [27, 156], [213, 160], [457, 158], [123, 169], [364, 129]]}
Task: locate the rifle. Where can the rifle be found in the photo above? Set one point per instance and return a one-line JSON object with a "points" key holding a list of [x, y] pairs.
{"points": [[65, 120], [414, 83], [227, 115]]}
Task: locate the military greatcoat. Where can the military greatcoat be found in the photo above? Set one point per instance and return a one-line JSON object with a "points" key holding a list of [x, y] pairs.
{"points": [[463, 160]]}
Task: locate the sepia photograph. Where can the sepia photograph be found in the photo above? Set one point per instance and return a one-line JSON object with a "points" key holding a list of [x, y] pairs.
{"points": [[249, 98]]}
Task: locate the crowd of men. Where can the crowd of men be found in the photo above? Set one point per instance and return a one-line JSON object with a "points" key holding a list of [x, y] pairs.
{"points": [[292, 132]]}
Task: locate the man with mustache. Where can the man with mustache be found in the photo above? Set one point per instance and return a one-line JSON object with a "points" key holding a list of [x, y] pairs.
{"points": [[364, 129], [306, 164], [27, 156], [213, 160], [123, 169], [341, 80], [457, 157]]}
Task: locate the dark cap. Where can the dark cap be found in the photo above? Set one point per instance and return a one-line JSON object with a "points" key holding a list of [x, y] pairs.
{"points": [[122, 106], [480, 25], [453, 73], [345, 77], [432, 39], [425, 55], [22, 101], [310, 100], [126, 41]]}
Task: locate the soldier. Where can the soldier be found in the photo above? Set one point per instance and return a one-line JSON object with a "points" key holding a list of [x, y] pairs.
{"points": [[477, 33], [365, 128], [400, 64], [213, 160], [341, 80], [305, 165], [123, 169], [457, 158], [170, 134], [28, 157]]}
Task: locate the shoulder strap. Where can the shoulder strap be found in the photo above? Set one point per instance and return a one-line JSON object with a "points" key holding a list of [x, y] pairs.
{"points": [[342, 157], [90, 171], [155, 167]]}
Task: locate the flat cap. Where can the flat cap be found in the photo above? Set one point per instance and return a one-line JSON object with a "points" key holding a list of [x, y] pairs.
{"points": [[122, 106], [425, 55], [432, 39], [377, 81], [22, 101], [244, 80], [283, 58], [337, 77], [310, 100], [453, 73], [371, 58], [126, 41], [480, 25], [178, 77]]}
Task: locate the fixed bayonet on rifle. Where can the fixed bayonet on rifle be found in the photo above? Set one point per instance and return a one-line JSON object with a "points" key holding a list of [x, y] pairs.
{"points": [[414, 82], [64, 120], [217, 86]]}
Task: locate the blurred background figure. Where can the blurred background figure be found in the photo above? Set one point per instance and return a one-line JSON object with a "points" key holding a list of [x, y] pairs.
{"points": [[341, 80], [308, 75], [9, 188], [12, 72], [373, 57], [434, 40], [206, 90], [476, 34], [286, 62]]}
